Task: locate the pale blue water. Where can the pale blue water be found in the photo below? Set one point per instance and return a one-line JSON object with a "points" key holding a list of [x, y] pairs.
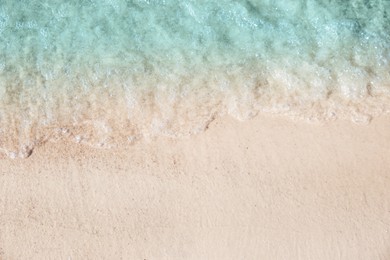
{"points": [[113, 71]]}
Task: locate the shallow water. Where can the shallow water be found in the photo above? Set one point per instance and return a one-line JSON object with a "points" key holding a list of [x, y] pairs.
{"points": [[114, 71]]}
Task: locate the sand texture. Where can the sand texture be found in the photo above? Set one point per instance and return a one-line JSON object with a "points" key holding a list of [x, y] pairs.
{"points": [[267, 188]]}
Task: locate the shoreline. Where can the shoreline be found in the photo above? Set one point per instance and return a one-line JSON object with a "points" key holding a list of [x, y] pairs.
{"points": [[120, 119], [266, 188]]}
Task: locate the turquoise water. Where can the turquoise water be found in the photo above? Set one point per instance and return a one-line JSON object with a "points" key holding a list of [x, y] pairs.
{"points": [[115, 71]]}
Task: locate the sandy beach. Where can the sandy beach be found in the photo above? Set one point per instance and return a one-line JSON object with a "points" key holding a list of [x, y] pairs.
{"points": [[266, 188]]}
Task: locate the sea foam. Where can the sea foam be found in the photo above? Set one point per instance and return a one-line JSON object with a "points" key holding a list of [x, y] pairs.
{"points": [[111, 72]]}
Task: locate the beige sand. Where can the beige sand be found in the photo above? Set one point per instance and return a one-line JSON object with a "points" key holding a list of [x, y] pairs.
{"points": [[267, 188]]}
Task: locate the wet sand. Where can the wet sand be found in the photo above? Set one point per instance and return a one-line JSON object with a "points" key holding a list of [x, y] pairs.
{"points": [[267, 188]]}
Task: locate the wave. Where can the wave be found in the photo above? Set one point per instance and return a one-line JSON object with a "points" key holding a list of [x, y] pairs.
{"points": [[110, 73]]}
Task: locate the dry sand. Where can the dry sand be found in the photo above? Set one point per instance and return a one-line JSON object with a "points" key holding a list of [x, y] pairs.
{"points": [[267, 188]]}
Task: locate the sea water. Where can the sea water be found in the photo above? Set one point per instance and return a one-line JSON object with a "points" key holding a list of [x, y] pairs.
{"points": [[109, 72]]}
